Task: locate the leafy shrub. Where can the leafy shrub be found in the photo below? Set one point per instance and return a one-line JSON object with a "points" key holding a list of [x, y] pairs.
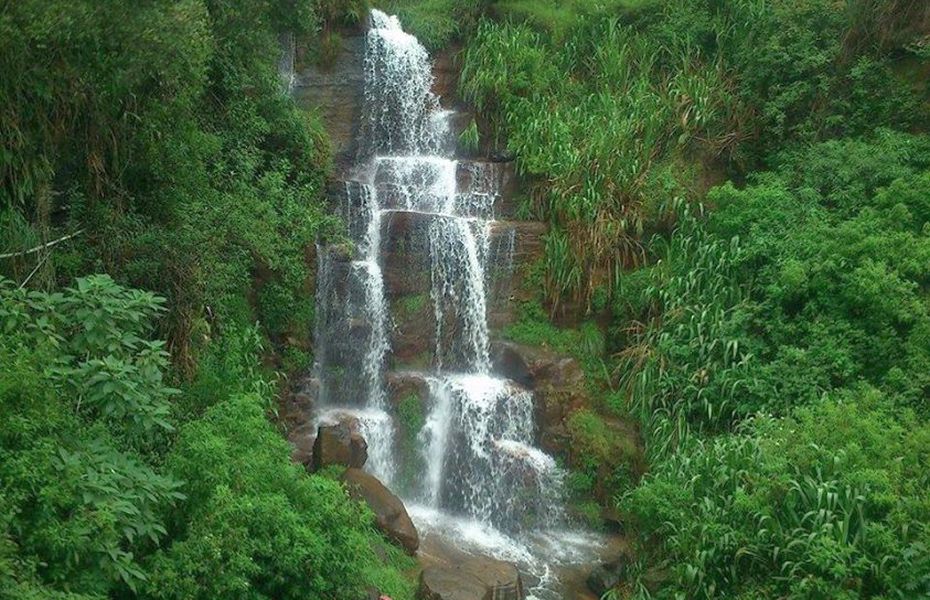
{"points": [[81, 395], [253, 524], [828, 503], [436, 23], [595, 99]]}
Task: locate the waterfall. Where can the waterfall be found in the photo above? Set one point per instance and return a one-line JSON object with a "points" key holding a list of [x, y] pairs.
{"points": [[476, 447], [287, 60]]}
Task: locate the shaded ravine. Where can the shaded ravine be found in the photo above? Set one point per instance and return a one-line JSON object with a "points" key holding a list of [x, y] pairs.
{"points": [[479, 482]]}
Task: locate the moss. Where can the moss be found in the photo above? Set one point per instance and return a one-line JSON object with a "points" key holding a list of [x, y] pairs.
{"points": [[604, 457], [411, 415], [593, 439], [419, 362], [295, 360], [584, 343], [411, 304], [410, 418]]}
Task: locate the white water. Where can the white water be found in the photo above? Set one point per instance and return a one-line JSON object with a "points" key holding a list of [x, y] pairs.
{"points": [[286, 61], [483, 484]]}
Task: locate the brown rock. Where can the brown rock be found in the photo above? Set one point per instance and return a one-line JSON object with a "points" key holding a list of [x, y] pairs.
{"points": [[340, 443], [502, 579], [474, 579], [303, 439], [438, 583], [514, 246], [390, 515], [606, 576], [337, 92], [401, 384]]}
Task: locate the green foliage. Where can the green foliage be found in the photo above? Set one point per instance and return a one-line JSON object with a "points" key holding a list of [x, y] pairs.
{"points": [[802, 295], [80, 384], [595, 98], [470, 139], [832, 502], [436, 23], [534, 328], [411, 417], [176, 155], [411, 304], [100, 500], [254, 525], [97, 330], [603, 456]]}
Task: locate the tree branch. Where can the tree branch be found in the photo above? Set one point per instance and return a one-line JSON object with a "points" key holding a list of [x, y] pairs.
{"points": [[43, 246]]}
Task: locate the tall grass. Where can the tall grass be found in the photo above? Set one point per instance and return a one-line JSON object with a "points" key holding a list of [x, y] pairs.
{"points": [[594, 98], [684, 367], [590, 118]]}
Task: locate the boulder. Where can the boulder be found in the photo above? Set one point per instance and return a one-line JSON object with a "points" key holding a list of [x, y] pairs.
{"points": [[439, 583], [401, 384], [303, 439], [478, 578], [340, 443], [390, 515], [501, 578]]}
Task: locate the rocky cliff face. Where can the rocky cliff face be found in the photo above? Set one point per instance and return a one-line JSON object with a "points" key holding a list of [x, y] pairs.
{"points": [[336, 91]]}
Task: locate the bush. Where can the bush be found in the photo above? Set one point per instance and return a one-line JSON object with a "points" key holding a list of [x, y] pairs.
{"points": [[831, 502], [254, 525]]}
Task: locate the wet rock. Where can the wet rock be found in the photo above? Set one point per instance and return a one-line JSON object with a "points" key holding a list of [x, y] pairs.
{"points": [[514, 246], [340, 443], [337, 92], [557, 382], [502, 579], [606, 576], [405, 253], [296, 415], [390, 514], [475, 579], [302, 439], [402, 384], [412, 332], [446, 74], [438, 583]]}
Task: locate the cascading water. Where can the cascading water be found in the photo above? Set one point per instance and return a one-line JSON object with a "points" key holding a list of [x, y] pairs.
{"points": [[482, 482], [286, 61]]}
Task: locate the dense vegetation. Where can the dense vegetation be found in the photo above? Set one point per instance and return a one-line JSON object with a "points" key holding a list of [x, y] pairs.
{"points": [[769, 335], [153, 142], [739, 200]]}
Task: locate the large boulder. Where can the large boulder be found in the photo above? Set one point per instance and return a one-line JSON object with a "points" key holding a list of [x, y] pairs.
{"points": [[440, 583], [340, 443], [390, 515], [557, 382], [477, 578]]}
